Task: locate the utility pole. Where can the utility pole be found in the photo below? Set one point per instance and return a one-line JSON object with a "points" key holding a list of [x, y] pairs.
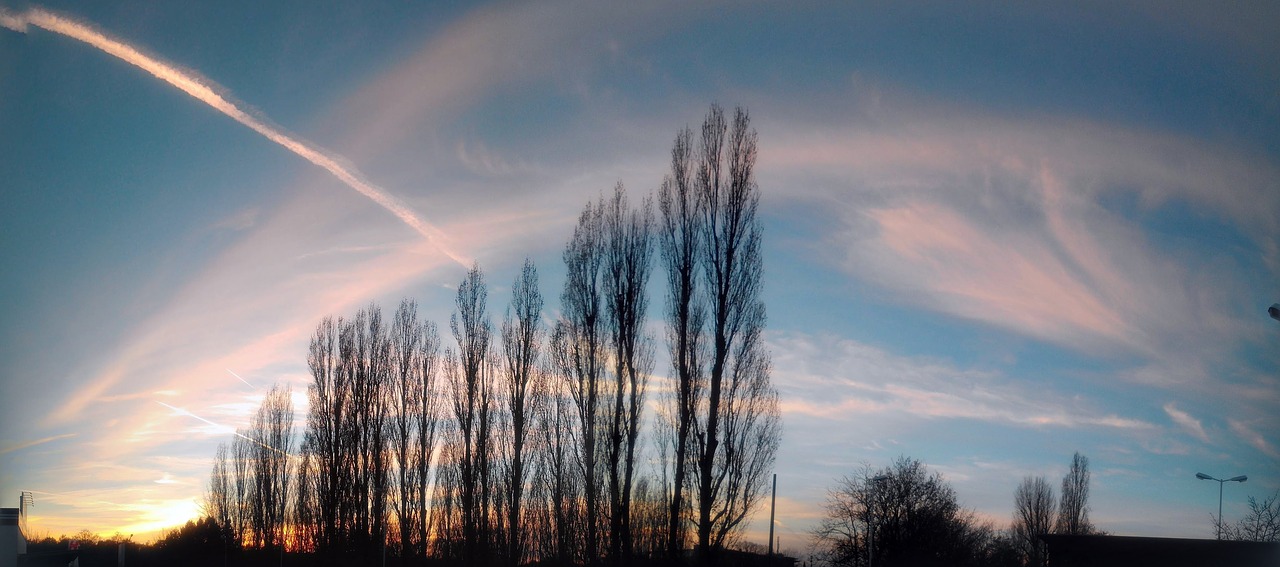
{"points": [[773, 503]]}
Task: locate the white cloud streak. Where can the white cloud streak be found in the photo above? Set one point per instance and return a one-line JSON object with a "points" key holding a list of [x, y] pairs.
{"points": [[1254, 438], [207, 91], [1184, 419], [837, 379], [25, 444]]}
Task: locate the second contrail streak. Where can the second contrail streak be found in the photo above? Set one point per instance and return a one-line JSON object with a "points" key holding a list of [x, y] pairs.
{"points": [[206, 91]]}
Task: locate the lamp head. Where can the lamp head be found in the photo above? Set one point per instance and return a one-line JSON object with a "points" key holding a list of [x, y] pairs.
{"points": [[1240, 478], [1203, 476], [1274, 311]]}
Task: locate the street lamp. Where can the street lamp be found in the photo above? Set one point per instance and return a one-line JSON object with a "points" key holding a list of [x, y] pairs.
{"points": [[1274, 311], [1221, 481]]}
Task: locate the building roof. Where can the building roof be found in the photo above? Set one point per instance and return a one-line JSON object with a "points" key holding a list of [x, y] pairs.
{"points": [[1128, 551]]}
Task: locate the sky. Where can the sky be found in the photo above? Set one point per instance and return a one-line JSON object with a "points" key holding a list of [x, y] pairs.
{"points": [[994, 235]]}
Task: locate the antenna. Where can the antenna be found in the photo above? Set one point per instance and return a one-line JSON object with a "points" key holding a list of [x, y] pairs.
{"points": [[25, 501]]}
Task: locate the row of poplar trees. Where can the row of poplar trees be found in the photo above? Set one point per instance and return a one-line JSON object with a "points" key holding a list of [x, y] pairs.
{"points": [[542, 440]]}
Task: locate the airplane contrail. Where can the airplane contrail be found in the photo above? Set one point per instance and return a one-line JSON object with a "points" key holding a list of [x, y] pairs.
{"points": [[232, 429], [209, 92], [246, 382]]}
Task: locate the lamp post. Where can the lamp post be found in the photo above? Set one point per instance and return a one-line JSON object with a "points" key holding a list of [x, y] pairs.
{"points": [[1221, 481]]}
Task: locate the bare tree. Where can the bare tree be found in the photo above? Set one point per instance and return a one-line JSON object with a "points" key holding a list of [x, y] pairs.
{"points": [[470, 377], [327, 443], [405, 334], [426, 426], [680, 247], [522, 340], [414, 347], [1262, 523], [242, 486], [902, 515], [627, 249], [579, 352], [649, 518], [558, 484], [272, 440], [369, 352], [543, 466], [724, 408], [1033, 517], [751, 434], [1073, 510], [347, 432], [732, 266], [305, 504], [218, 501]]}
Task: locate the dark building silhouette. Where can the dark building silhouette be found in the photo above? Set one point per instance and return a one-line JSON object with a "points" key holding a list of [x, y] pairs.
{"points": [[1117, 551]]}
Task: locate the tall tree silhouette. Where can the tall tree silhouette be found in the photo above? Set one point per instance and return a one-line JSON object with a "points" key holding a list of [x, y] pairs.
{"points": [[426, 427], [326, 443], [1073, 509], [470, 374], [347, 432], [219, 498], [628, 250], [305, 503], [578, 348], [242, 485], [557, 481], [525, 395], [726, 410], [414, 349], [537, 450], [371, 369], [680, 248], [1032, 517], [272, 434]]}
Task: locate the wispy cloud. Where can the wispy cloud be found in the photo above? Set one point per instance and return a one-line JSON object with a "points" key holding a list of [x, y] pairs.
{"points": [[1184, 419], [490, 48], [1251, 436], [27, 444], [254, 306], [1036, 225], [208, 92], [838, 379]]}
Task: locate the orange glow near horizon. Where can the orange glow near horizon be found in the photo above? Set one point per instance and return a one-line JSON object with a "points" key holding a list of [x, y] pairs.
{"points": [[146, 521]]}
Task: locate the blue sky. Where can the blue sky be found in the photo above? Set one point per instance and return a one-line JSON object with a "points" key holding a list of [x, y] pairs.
{"points": [[995, 235]]}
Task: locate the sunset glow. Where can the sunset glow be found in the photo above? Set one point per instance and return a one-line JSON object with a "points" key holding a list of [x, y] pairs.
{"points": [[993, 235]]}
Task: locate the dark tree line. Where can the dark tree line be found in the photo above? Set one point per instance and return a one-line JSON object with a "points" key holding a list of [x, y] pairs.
{"points": [[902, 515], [533, 443]]}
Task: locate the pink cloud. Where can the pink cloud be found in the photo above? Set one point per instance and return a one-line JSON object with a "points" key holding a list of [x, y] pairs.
{"points": [[1012, 221], [998, 278]]}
